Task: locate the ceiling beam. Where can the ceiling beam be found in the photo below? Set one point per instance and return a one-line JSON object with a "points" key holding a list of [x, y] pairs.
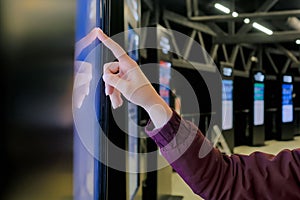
{"points": [[179, 19], [273, 65], [282, 36], [149, 4], [265, 7], [288, 53], [279, 52], [257, 15]]}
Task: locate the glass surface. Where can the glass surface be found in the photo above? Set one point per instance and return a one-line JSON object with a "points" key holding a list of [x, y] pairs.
{"points": [[86, 178], [259, 104], [227, 104]]}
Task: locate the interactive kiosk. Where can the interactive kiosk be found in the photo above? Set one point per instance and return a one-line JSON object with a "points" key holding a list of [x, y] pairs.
{"points": [[285, 125], [227, 106], [93, 179], [157, 62], [272, 96], [132, 42], [296, 100], [243, 102], [257, 128]]}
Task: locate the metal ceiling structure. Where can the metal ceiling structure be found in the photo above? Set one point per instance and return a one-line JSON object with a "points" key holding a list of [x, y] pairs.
{"points": [[232, 42]]}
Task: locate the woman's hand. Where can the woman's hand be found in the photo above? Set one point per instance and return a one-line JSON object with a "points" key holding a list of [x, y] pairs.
{"points": [[125, 77]]}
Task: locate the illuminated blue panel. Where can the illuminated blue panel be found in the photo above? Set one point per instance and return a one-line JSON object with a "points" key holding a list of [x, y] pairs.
{"points": [[227, 104], [287, 103], [259, 104]]}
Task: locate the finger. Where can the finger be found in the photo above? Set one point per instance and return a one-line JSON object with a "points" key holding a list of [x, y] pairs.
{"points": [[81, 79], [86, 41], [116, 100], [109, 89], [111, 67], [79, 95], [116, 49], [83, 67], [115, 81]]}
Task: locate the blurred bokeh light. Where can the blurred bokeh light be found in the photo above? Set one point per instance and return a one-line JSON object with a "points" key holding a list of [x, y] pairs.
{"points": [[37, 45]]}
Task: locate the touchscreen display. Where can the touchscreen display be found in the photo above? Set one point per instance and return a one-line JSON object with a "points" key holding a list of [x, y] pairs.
{"points": [[287, 103], [227, 104], [258, 104]]}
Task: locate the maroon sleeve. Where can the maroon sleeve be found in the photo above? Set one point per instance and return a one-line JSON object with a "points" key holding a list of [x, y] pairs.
{"points": [[212, 175]]}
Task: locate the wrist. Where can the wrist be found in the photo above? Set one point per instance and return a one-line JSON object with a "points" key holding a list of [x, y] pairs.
{"points": [[159, 112]]}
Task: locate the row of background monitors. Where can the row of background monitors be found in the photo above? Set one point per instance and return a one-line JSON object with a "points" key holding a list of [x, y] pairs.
{"points": [[258, 98]]}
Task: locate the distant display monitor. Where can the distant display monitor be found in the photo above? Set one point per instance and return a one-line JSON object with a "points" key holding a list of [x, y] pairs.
{"points": [[164, 80], [259, 77], [133, 44], [227, 104], [163, 40], [164, 44], [227, 71], [258, 104], [287, 103], [287, 79], [134, 8]]}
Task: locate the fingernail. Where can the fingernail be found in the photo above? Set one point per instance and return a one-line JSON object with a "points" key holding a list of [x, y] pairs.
{"points": [[106, 91]]}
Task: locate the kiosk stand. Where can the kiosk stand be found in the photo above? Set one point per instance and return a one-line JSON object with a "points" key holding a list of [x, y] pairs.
{"points": [[257, 128], [285, 121], [157, 184], [272, 94], [242, 118], [227, 106], [132, 21], [296, 101]]}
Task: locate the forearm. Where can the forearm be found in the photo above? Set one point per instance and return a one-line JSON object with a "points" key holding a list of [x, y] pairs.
{"points": [[213, 175], [190, 154]]}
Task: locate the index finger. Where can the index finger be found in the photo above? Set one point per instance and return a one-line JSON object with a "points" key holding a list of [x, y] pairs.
{"points": [[116, 49], [85, 41]]}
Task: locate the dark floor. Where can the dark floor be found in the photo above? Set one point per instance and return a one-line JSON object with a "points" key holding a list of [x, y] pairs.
{"points": [[54, 180]]}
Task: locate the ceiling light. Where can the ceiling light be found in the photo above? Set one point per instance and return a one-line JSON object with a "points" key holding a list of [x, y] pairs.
{"points": [[247, 20], [222, 8], [262, 28], [235, 14], [298, 41]]}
